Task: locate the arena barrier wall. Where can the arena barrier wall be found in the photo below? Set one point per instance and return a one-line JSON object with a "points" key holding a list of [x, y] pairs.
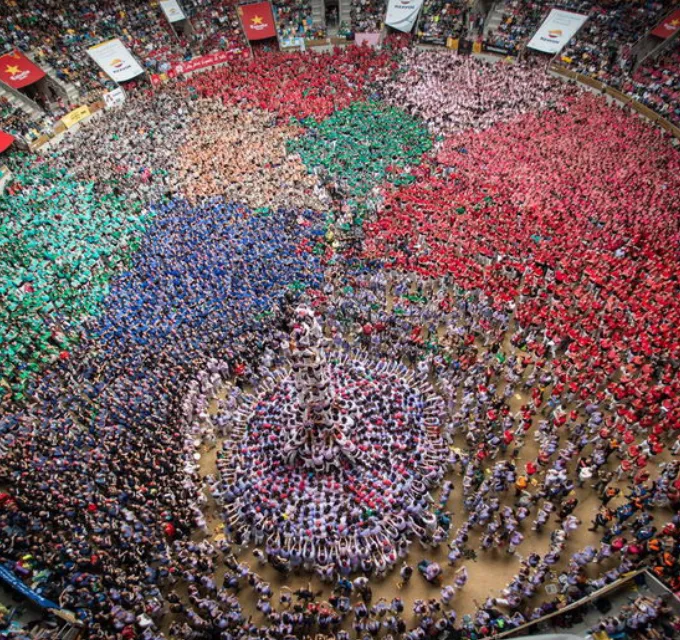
{"points": [[651, 581]]}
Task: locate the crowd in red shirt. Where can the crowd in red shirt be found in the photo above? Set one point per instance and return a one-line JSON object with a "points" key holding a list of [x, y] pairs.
{"points": [[569, 217]]}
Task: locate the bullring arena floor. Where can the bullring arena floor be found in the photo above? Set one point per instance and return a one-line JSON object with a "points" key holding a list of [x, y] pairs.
{"points": [[369, 273]]}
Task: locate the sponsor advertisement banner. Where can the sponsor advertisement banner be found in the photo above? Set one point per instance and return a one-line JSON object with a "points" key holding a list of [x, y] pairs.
{"points": [[75, 116], [668, 26], [402, 14], [17, 71], [173, 12], [258, 20], [115, 60], [556, 31], [204, 62]]}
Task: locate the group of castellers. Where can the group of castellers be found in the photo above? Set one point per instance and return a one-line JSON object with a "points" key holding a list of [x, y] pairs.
{"points": [[329, 464]]}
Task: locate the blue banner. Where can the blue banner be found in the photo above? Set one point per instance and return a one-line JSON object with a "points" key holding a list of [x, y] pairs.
{"points": [[13, 581]]}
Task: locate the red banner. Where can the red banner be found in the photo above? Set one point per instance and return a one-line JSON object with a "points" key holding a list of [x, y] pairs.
{"points": [[17, 71], [668, 26], [258, 20], [204, 62], [6, 141]]}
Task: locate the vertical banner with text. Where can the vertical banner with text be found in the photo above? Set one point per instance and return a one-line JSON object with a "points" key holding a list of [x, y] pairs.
{"points": [[173, 12], [556, 31], [114, 58], [258, 20], [402, 14]]}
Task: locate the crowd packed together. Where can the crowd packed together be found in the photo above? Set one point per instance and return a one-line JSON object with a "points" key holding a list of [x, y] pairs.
{"points": [[655, 83], [467, 93], [294, 21], [58, 35], [603, 47], [440, 20], [428, 309], [611, 24], [17, 123]]}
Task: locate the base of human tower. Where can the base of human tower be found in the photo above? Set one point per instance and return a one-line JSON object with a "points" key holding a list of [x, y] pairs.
{"points": [[332, 459]]}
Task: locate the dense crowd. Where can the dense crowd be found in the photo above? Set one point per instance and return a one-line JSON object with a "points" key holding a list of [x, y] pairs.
{"points": [[655, 83], [14, 121], [59, 34], [522, 264], [57, 38], [611, 25], [294, 21], [367, 16], [440, 20], [467, 93]]}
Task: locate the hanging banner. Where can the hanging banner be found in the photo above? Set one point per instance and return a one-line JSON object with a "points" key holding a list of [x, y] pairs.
{"points": [[257, 20], [115, 98], [205, 62], [668, 26], [115, 60], [75, 116], [17, 71], [173, 12], [556, 31], [402, 14], [10, 579], [6, 140]]}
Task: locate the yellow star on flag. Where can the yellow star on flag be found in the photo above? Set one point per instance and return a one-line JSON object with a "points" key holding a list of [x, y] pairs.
{"points": [[257, 20], [12, 70]]}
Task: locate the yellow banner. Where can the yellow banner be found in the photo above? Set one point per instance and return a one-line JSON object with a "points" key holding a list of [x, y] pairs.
{"points": [[75, 116], [452, 43], [477, 47]]}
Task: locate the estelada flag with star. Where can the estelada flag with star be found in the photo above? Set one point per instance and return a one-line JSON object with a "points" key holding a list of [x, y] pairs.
{"points": [[17, 71], [668, 26], [257, 20]]}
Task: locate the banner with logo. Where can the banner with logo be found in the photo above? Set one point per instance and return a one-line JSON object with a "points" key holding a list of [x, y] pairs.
{"points": [[115, 60], [205, 62], [668, 26], [75, 116], [402, 14], [173, 12], [115, 98], [257, 20], [17, 71], [556, 31]]}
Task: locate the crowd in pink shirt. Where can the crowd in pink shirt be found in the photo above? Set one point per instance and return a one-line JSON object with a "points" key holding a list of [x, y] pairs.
{"points": [[453, 93]]}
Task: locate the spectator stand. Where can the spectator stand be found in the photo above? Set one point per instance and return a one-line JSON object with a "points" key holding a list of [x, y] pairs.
{"points": [[616, 599], [441, 20], [621, 97]]}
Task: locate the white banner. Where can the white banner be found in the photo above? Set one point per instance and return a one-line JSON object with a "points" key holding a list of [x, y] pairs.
{"points": [[557, 29], [115, 60], [115, 98], [402, 14], [173, 12]]}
